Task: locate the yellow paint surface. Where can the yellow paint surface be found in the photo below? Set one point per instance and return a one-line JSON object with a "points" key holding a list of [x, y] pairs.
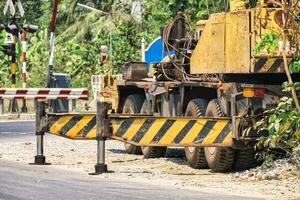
{"points": [[79, 126], [173, 132], [150, 134], [215, 131], [61, 122]]}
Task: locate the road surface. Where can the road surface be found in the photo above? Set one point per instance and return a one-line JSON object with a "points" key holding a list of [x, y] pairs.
{"points": [[16, 129], [22, 181]]}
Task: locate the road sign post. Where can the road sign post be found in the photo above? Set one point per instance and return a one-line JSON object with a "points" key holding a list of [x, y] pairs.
{"points": [[14, 31]]}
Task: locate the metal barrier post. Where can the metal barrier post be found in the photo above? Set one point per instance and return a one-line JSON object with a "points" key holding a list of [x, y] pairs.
{"points": [[103, 131], [1, 107], [40, 159], [101, 167], [73, 105]]}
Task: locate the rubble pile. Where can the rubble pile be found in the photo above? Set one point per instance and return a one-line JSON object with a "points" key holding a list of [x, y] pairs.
{"points": [[280, 170]]}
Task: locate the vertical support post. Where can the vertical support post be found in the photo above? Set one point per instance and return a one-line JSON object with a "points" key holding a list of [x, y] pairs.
{"points": [[52, 42], [13, 103], [103, 131], [24, 66], [73, 105], [40, 159], [110, 38], [234, 117], [143, 50], [181, 96], [1, 107]]}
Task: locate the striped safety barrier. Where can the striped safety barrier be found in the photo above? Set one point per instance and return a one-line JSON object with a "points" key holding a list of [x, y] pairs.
{"points": [[270, 65], [174, 131], [73, 126], [147, 131], [44, 93]]}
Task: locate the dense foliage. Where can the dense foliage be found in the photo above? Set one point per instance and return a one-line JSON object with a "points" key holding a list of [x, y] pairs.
{"points": [[283, 126], [282, 123]]}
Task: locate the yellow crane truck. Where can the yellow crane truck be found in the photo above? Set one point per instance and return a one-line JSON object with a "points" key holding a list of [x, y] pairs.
{"points": [[208, 95]]}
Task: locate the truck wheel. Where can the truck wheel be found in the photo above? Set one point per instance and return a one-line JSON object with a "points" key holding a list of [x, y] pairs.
{"points": [[154, 152], [195, 156], [133, 105], [244, 159], [151, 152], [219, 159]]}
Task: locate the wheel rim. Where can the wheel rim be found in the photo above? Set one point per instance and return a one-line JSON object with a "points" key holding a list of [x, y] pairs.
{"points": [[127, 145], [191, 149], [211, 150]]}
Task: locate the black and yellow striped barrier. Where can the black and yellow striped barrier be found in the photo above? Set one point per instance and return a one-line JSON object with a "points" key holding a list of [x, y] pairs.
{"points": [[73, 126], [173, 131], [148, 131], [269, 65]]}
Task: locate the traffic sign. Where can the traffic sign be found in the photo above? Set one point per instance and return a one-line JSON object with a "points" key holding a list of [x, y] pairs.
{"points": [[11, 5]]}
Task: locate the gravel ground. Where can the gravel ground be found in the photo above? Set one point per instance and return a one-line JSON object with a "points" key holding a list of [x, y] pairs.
{"points": [[171, 170]]}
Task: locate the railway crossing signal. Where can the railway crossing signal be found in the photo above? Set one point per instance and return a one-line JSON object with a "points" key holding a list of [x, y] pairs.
{"points": [[13, 31]]}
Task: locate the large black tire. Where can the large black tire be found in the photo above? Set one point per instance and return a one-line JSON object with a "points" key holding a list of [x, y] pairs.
{"points": [[133, 105], [154, 152], [219, 159], [151, 152], [245, 159], [195, 156]]}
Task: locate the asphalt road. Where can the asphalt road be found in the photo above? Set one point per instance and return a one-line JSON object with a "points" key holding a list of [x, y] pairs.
{"points": [[16, 129], [22, 181]]}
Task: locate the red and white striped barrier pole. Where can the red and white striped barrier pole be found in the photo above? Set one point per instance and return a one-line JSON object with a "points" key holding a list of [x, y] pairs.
{"points": [[24, 58], [44, 93], [52, 42], [24, 66]]}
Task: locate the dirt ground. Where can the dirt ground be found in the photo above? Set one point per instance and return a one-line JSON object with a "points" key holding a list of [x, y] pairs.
{"points": [[81, 156]]}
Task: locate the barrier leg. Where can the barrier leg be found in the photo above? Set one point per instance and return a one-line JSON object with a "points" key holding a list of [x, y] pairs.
{"points": [[103, 131], [13, 106], [40, 159], [24, 106], [100, 167], [1, 107]]}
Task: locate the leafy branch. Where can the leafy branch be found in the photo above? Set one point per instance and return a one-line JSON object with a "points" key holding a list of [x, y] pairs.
{"points": [[283, 122], [269, 42]]}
